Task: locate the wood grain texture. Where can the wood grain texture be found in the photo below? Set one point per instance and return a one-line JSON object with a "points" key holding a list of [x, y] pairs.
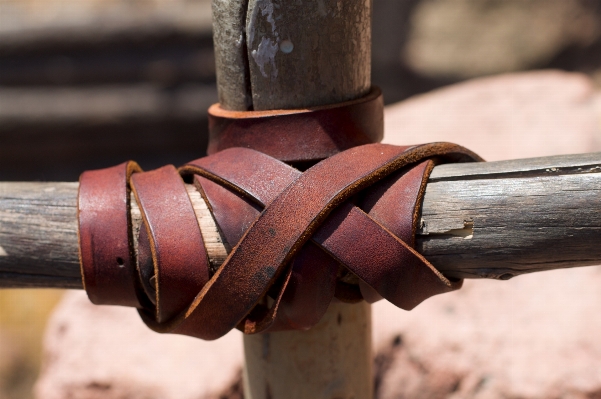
{"points": [[270, 373], [308, 53], [38, 235], [501, 219], [484, 220]]}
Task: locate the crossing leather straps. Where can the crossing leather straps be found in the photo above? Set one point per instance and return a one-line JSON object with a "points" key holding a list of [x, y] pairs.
{"points": [[342, 229]]}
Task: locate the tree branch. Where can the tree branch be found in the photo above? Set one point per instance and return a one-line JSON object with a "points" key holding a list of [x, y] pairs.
{"points": [[485, 220]]}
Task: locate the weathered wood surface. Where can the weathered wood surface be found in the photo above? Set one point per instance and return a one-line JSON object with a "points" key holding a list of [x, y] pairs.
{"points": [[231, 58], [38, 235], [490, 220], [334, 338], [501, 219], [291, 54], [309, 53]]}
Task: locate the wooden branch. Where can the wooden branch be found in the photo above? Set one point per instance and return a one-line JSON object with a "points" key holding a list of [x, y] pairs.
{"points": [[38, 235], [486, 220], [502, 219], [304, 54]]}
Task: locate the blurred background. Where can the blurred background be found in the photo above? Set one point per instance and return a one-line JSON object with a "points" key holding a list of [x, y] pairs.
{"points": [[89, 83]]}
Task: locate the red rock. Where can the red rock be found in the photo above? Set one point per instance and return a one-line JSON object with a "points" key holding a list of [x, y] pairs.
{"points": [[107, 352], [534, 336], [504, 117]]}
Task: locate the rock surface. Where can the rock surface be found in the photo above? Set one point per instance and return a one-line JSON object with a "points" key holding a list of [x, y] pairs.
{"points": [[94, 352], [510, 116], [531, 337]]}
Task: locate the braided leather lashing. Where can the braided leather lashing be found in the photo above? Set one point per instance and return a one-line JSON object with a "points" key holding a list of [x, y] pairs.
{"points": [[296, 236]]}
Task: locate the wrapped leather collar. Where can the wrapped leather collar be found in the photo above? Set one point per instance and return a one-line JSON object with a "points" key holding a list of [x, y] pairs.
{"points": [[296, 236]]}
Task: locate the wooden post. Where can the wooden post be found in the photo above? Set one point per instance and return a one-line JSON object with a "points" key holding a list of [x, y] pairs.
{"points": [[289, 54]]}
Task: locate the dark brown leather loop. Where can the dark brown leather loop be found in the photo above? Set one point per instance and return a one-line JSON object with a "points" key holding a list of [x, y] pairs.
{"points": [[178, 251], [247, 171], [395, 203], [300, 135], [352, 242], [107, 264]]}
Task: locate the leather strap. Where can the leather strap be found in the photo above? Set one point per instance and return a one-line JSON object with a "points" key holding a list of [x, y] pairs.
{"points": [[297, 236], [105, 251], [300, 135], [178, 252], [247, 171], [290, 220]]}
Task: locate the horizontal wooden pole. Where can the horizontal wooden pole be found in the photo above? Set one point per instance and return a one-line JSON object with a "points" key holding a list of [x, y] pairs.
{"points": [[485, 220], [502, 219]]}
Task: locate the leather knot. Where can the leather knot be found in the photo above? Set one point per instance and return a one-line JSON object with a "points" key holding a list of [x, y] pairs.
{"points": [[344, 228]]}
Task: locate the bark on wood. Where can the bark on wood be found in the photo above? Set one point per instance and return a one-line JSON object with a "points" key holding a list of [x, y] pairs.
{"points": [[38, 235], [478, 220], [501, 219]]}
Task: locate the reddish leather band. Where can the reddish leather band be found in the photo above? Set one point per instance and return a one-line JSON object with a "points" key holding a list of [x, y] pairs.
{"points": [[295, 232], [288, 223], [107, 264], [300, 135], [247, 172], [178, 251], [312, 281]]}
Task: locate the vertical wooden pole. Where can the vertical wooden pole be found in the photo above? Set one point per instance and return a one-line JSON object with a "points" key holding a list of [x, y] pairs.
{"points": [[293, 54], [332, 360]]}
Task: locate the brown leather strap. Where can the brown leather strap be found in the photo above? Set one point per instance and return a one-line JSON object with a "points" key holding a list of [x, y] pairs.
{"points": [[178, 251], [300, 135], [294, 231], [260, 178], [395, 203], [247, 171], [349, 242], [288, 223], [312, 281], [105, 252]]}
